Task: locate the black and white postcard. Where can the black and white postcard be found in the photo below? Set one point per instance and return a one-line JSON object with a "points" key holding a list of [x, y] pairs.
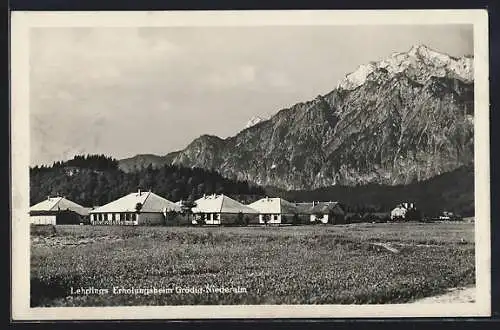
{"points": [[260, 164]]}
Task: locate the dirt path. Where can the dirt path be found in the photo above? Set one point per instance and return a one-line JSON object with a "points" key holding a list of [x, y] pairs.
{"points": [[61, 241], [455, 295]]}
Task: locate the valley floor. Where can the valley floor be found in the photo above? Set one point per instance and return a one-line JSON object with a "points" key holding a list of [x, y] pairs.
{"points": [[322, 264]]}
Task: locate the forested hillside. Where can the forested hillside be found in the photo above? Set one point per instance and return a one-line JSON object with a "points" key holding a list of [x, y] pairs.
{"points": [[453, 191], [96, 180]]}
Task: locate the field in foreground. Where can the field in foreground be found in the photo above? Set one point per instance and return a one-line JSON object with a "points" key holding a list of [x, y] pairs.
{"points": [[346, 264]]}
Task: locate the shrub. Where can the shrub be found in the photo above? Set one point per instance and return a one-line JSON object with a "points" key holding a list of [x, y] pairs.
{"points": [[266, 218], [413, 215], [240, 221], [284, 219], [43, 230]]}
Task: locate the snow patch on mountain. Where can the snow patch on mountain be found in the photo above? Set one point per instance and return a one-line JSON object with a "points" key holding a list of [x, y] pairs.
{"points": [[420, 62], [254, 121]]}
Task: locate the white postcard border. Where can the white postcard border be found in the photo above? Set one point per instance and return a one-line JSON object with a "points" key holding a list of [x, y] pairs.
{"points": [[21, 22]]}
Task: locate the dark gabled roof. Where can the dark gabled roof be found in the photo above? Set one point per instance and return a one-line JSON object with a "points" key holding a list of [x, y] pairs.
{"points": [[316, 207], [304, 208], [325, 207]]}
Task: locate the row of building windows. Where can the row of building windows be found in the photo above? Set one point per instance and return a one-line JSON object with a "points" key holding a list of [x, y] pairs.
{"points": [[113, 216], [211, 216], [271, 216]]}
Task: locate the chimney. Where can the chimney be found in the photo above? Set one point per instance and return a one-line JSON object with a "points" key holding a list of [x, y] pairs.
{"points": [[139, 192]]}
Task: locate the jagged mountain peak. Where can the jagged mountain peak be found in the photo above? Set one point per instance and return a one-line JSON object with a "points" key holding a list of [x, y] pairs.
{"points": [[419, 49], [419, 63]]}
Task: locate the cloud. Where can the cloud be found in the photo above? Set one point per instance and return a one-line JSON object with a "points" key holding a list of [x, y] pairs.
{"points": [[247, 76], [278, 79], [97, 56], [98, 89], [241, 75]]}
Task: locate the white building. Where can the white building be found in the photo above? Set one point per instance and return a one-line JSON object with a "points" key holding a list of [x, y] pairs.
{"points": [[399, 212], [136, 208], [57, 210], [327, 212], [274, 209], [215, 209]]}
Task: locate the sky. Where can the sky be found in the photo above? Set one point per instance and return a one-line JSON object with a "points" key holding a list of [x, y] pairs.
{"points": [[152, 90]]}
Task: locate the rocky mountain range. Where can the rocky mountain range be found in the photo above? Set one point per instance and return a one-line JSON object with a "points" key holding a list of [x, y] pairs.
{"points": [[404, 119]]}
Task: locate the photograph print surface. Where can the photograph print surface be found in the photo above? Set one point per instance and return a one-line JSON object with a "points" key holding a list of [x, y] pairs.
{"points": [[253, 165]]}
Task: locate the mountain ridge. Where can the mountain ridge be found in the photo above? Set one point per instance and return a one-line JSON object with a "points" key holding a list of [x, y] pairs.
{"points": [[403, 119]]}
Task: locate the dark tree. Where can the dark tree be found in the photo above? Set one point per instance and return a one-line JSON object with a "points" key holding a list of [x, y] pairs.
{"points": [[266, 218], [138, 208], [318, 216], [240, 221], [284, 219]]}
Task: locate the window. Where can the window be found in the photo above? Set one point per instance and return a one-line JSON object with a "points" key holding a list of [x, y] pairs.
{"points": [[275, 217], [113, 217]]}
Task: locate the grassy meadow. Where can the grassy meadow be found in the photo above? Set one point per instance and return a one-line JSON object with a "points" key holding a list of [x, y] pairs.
{"points": [[322, 264]]}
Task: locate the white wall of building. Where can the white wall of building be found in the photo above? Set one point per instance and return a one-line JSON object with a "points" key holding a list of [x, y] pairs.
{"points": [[314, 218], [213, 218], [273, 218], [43, 219], [398, 212], [118, 219]]}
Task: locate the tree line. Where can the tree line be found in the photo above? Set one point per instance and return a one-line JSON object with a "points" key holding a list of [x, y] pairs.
{"points": [[94, 180], [452, 191]]}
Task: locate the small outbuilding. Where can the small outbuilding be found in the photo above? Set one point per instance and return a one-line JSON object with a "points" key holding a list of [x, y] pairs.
{"points": [[399, 212], [325, 212], [57, 211], [138, 208]]}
